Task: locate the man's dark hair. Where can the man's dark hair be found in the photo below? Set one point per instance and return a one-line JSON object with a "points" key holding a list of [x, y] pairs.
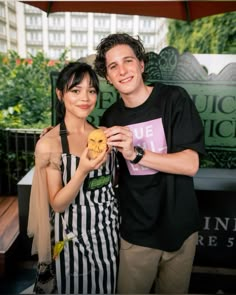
{"points": [[112, 40]]}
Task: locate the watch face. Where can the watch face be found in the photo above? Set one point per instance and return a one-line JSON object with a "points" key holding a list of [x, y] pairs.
{"points": [[139, 150], [139, 154]]}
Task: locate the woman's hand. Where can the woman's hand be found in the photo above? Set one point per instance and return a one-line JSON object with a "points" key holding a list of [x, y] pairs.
{"points": [[86, 164]]}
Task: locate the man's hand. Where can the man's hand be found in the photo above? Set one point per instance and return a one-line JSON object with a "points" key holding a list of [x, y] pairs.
{"points": [[121, 137]]}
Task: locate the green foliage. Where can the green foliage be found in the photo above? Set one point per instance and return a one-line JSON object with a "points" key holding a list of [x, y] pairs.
{"points": [[25, 90], [214, 34]]}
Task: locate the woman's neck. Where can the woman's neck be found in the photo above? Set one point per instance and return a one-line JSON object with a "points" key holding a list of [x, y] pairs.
{"points": [[76, 126]]}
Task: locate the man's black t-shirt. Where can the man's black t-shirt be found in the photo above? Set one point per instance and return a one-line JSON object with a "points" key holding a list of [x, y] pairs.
{"points": [[158, 210]]}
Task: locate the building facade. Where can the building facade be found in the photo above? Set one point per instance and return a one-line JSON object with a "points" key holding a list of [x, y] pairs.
{"points": [[27, 30], [8, 26]]}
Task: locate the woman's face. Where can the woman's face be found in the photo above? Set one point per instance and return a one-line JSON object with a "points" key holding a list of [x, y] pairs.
{"points": [[80, 100]]}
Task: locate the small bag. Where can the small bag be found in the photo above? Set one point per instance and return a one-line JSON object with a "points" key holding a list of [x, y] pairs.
{"points": [[45, 279]]}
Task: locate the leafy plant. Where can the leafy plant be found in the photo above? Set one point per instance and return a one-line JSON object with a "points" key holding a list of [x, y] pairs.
{"points": [[25, 102], [213, 34], [25, 90]]}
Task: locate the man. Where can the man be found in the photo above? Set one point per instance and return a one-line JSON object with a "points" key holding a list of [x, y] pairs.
{"points": [[159, 135]]}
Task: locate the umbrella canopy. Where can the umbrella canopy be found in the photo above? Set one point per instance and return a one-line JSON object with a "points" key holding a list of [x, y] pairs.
{"points": [[181, 10]]}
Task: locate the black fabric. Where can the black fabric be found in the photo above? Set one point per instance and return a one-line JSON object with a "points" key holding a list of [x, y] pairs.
{"points": [[64, 141], [45, 279], [160, 210]]}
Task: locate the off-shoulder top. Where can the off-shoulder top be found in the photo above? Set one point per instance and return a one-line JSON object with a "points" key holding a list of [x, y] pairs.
{"points": [[39, 219]]}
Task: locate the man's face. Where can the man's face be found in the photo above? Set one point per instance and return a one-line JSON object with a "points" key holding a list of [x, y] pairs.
{"points": [[124, 70]]}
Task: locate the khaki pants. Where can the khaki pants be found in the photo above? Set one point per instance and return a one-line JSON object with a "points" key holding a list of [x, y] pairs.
{"points": [[141, 267]]}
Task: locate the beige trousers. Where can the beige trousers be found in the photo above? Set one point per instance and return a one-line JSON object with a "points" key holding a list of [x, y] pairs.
{"points": [[142, 268]]}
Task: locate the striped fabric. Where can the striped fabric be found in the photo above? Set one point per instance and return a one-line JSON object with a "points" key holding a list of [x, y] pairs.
{"points": [[88, 262]]}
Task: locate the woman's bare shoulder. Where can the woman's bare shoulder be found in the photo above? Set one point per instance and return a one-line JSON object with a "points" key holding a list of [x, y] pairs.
{"points": [[50, 142]]}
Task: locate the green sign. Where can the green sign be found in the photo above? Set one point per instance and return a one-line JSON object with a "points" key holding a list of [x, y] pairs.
{"points": [[107, 96], [216, 105]]}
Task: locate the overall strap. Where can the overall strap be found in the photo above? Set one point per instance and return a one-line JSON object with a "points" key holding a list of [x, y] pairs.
{"points": [[64, 141]]}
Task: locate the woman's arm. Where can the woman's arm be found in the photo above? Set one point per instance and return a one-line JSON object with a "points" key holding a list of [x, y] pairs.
{"points": [[60, 197]]}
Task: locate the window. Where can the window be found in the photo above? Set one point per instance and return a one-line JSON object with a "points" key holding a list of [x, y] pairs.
{"points": [[12, 16], [79, 38], [32, 51], [3, 46], [98, 37], [57, 22], [146, 24], [54, 53], [148, 40], [77, 53], [34, 36], [79, 22], [125, 23], [2, 11], [56, 37], [33, 21], [2, 28], [102, 22], [13, 34]]}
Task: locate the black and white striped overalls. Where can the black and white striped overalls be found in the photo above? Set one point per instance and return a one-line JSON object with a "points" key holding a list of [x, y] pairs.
{"points": [[88, 262]]}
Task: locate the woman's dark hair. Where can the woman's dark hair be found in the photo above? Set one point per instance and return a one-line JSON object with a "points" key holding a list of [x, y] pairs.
{"points": [[112, 40], [71, 75]]}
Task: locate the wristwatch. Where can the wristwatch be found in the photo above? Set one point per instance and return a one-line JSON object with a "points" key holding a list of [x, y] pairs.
{"points": [[139, 154]]}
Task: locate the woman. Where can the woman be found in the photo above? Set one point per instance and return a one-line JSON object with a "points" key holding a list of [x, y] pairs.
{"points": [[83, 208]]}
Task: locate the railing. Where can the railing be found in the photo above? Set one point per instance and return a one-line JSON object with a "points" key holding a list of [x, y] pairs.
{"points": [[16, 156]]}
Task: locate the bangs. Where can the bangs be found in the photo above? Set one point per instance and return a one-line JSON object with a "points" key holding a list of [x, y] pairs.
{"points": [[73, 74], [78, 77]]}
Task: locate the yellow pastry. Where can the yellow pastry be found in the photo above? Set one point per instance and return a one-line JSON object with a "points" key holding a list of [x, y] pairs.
{"points": [[97, 142]]}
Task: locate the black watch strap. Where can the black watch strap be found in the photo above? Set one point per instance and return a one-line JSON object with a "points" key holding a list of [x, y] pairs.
{"points": [[139, 154]]}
